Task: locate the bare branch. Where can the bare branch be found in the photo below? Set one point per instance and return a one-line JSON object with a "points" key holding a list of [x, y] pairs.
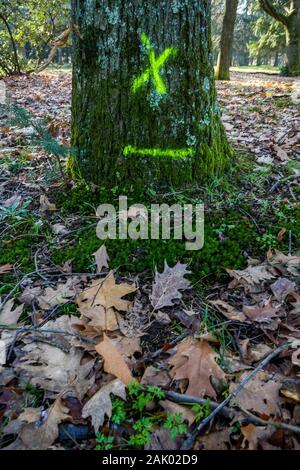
{"points": [[60, 41]]}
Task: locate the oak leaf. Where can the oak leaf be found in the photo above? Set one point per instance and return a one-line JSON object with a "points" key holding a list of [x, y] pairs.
{"points": [[114, 363], [254, 434], [56, 368], [8, 316], [167, 285], [59, 295], [261, 395], [195, 361], [251, 275], [42, 437], [107, 294], [282, 288], [101, 258], [260, 314], [100, 403], [228, 311]]}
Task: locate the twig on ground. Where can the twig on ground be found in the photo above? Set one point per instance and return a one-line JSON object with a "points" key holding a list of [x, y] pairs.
{"points": [[188, 399], [11, 293], [290, 242], [261, 422], [250, 217], [189, 442], [37, 267], [171, 344], [80, 229], [279, 183], [29, 329]]}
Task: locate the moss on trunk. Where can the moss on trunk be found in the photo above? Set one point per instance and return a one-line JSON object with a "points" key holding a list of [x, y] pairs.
{"points": [[144, 100]]}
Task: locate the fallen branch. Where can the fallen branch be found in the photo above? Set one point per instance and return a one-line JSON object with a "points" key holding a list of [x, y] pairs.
{"points": [[11, 293], [189, 399], [189, 442], [33, 329], [157, 353], [261, 422]]}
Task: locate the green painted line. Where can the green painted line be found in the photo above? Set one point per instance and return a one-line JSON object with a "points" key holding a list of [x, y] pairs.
{"points": [[153, 72], [172, 153]]}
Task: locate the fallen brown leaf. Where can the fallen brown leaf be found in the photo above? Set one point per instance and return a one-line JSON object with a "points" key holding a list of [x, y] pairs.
{"points": [[197, 364], [113, 361], [100, 403], [41, 438], [8, 316], [101, 258], [167, 285]]}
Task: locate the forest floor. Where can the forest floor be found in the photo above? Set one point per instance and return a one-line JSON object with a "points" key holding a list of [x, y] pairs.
{"points": [[106, 346]]}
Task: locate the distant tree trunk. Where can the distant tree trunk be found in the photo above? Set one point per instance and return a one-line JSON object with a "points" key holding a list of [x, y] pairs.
{"points": [[144, 104], [13, 43], [226, 44], [291, 22]]}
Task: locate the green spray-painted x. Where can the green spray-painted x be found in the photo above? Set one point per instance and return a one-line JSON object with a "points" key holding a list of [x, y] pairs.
{"points": [[153, 72]]}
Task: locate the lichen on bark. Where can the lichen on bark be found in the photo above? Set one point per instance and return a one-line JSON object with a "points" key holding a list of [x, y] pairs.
{"points": [[108, 117]]}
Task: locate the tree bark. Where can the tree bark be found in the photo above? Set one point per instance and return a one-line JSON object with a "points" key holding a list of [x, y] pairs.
{"points": [[226, 44], [291, 22], [293, 40], [144, 104]]}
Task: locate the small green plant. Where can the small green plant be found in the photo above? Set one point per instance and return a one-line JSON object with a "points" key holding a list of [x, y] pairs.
{"points": [[143, 398], [118, 411], [33, 396], [41, 136], [201, 411], [223, 229], [104, 442], [211, 324], [15, 212], [175, 424], [236, 428], [143, 426], [267, 240]]}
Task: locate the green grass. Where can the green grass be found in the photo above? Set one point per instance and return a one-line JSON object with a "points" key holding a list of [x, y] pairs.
{"points": [[256, 68]]}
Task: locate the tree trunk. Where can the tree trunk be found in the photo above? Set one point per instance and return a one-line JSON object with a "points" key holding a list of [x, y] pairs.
{"points": [[13, 43], [293, 43], [144, 104], [226, 44]]}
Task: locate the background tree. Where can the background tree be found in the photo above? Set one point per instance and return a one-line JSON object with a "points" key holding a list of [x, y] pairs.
{"points": [[287, 12], [26, 31], [217, 14], [9, 60], [144, 99], [268, 43], [226, 43], [243, 33]]}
